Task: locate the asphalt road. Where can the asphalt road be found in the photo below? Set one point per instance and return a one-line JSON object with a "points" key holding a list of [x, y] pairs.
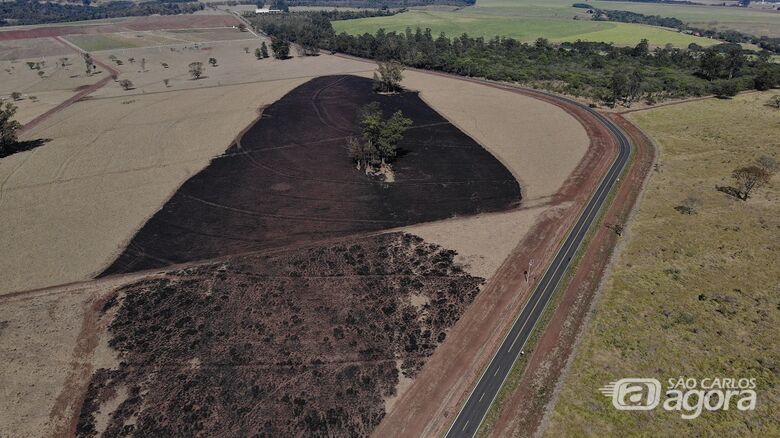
{"points": [[477, 405]]}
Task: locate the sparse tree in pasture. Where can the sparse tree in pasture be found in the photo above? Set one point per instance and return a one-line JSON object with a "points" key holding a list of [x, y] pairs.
{"points": [[264, 50], [165, 81], [388, 77], [89, 63], [281, 48], [246, 49], [63, 62], [143, 64], [213, 62], [41, 73], [164, 64], [196, 70], [258, 54], [749, 178], [774, 102], [16, 95], [126, 84], [242, 28], [131, 60], [8, 127]]}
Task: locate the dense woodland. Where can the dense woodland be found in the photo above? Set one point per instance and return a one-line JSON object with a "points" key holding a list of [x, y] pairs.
{"points": [[20, 12], [599, 71]]}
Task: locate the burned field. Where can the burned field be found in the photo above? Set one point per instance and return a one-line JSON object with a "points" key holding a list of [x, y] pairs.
{"points": [[288, 180], [299, 343]]}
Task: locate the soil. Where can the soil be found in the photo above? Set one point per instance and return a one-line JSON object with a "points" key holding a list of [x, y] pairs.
{"points": [[523, 412], [304, 342], [288, 179]]}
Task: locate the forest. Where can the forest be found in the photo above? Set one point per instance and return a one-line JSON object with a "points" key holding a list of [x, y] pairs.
{"points": [[24, 12], [599, 71]]}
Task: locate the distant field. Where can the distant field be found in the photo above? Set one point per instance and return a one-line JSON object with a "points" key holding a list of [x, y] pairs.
{"points": [[750, 21], [691, 295], [521, 28], [126, 40]]}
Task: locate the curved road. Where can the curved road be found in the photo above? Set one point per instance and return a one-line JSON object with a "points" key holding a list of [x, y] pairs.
{"points": [[477, 405]]}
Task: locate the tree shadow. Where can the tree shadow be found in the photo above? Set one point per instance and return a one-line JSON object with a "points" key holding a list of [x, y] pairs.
{"points": [[731, 191], [22, 146]]}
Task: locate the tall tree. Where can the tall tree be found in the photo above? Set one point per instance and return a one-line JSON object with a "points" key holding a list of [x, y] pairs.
{"points": [[281, 48], [8, 127], [388, 77]]}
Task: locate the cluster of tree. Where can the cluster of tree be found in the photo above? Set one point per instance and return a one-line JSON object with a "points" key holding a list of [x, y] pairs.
{"points": [[33, 12], [262, 51], [731, 36], [380, 4], [586, 69], [379, 142]]}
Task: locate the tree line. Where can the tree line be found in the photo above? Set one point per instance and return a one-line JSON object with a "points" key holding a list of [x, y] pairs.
{"points": [[731, 36], [599, 71], [22, 12]]}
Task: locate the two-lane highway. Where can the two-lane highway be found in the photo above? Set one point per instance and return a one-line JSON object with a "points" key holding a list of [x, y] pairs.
{"points": [[477, 405]]}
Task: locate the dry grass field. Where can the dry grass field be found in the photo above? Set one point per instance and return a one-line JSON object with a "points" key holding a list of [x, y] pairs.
{"points": [[690, 295]]}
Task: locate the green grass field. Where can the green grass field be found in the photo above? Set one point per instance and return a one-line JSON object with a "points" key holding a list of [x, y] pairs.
{"points": [[690, 295], [553, 19], [746, 20], [489, 22]]}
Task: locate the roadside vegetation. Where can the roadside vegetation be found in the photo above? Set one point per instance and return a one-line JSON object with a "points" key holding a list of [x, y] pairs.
{"points": [[694, 292], [598, 71]]}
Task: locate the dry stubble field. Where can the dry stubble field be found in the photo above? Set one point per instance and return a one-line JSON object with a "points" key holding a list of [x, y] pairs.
{"points": [[690, 295]]}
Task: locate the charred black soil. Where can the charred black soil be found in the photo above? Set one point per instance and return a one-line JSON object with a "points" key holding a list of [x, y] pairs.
{"points": [[306, 342], [289, 180]]}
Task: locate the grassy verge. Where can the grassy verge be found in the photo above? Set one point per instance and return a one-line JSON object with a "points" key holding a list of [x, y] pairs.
{"points": [[691, 295], [516, 374]]}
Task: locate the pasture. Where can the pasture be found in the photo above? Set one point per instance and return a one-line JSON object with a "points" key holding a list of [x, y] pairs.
{"points": [[488, 22]]}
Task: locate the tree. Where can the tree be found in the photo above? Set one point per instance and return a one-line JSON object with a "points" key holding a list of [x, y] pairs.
{"points": [[281, 48], [246, 49], [196, 70], [619, 86], [63, 62], [264, 50], [213, 62], [389, 77], [126, 84], [749, 178], [258, 54], [16, 95], [362, 153], [724, 88], [8, 127], [383, 134], [242, 28], [165, 81], [143, 64], [89, 63], [774, 102]]}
